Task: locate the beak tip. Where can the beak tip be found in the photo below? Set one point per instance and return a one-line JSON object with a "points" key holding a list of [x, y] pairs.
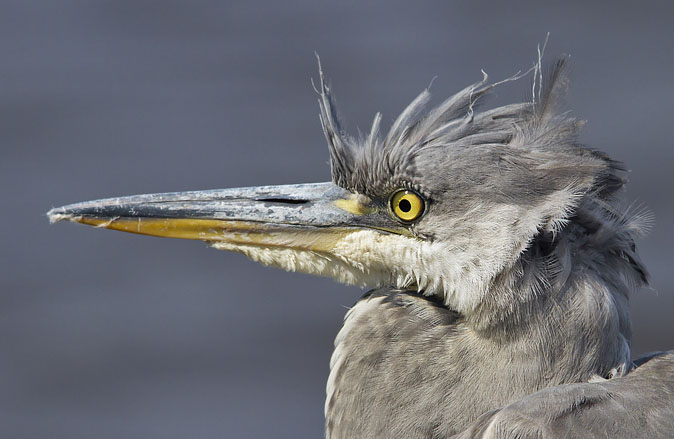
{"points": [[59, 214]]}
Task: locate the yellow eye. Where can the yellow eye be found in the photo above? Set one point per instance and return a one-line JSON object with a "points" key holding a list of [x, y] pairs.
{"points": [[407, 205]]}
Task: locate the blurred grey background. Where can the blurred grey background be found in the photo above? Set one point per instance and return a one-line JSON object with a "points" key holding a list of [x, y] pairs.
{"points": [[110, 335]]}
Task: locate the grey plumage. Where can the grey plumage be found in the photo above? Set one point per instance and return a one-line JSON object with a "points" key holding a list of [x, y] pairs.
{"points": [[638, 405], [555, 312], [501, 311]]}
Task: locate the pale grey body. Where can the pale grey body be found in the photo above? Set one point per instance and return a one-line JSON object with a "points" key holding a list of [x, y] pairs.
{"points": [[431, 383], [500, 311]]}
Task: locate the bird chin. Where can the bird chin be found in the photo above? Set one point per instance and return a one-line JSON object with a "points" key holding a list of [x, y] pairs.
{"points": [[353, 257], [304, 261], [369, 258]]}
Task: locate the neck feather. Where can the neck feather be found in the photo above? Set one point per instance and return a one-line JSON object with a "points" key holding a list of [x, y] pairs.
{"points": [[571, 288], [558, 315]]}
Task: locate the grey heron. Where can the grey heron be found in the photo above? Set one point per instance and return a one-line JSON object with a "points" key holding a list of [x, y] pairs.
{"points": [[499, 258]]}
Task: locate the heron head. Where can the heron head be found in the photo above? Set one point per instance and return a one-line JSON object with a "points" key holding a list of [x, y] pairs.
{"points": [[442, 203], [489, 182]]}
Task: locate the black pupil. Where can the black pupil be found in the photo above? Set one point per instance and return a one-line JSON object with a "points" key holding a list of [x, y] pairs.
{"points": [[405, 205]]}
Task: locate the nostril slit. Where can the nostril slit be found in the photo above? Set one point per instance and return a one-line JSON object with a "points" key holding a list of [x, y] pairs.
{"points": [[282, 200]]}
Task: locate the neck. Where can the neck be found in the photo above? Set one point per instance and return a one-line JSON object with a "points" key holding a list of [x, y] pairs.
{"points": [[570, 291], [558, 315]]}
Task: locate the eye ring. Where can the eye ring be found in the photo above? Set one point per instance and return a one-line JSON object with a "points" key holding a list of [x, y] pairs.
{"points": [[407, 206]]}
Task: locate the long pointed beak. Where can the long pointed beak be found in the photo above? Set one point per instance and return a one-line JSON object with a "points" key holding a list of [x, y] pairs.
{"points": [[303, 216]]}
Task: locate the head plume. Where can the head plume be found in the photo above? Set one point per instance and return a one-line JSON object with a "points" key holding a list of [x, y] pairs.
{"points": [[532, 145]]}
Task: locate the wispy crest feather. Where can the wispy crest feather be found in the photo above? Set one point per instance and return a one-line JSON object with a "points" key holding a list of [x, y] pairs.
{"points": [[357, 164], [537, 127]]}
